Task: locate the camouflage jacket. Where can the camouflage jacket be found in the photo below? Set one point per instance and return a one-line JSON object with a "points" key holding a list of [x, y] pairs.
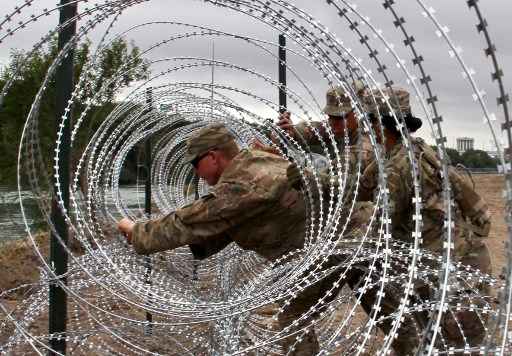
{"points": [[401, 192], [359, 150], [252, 205], [358, 144]]}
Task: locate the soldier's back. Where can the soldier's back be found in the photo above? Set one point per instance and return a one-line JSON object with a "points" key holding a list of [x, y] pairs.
{"points": [[275, 213]]}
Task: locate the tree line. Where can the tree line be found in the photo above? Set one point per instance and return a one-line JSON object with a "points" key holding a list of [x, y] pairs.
{"points": [[28, 75], [472, 159]]}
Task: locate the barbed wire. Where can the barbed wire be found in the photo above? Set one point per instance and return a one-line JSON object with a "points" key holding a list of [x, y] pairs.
{"points": [[233, 302]]}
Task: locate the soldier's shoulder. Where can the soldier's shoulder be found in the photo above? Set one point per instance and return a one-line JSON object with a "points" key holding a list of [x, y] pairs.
{"points": [[420, 144], [249, 157], [253, 165], [418, 140]]}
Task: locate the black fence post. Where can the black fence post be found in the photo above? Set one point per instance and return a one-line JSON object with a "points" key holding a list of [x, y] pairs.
{"points": [[57, 310], [195, 263], [282, 74], [147, 203]]}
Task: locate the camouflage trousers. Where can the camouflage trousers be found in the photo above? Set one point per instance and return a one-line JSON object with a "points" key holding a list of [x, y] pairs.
{"points": [[469, 248], [405, 344], [458, 328]]}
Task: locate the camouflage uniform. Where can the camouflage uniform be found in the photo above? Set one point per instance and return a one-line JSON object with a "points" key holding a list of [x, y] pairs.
{"points": [[355, 277], [253, 189], [357, 145], [359, 151], [470, 215], [252, 204]]}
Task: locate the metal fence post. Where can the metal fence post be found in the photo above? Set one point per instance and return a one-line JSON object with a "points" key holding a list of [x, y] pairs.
{"points": [[57, 310], [147, 203], [282, 73]]}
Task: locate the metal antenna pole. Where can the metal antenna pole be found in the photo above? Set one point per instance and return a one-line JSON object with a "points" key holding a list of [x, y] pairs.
{"points": [[57, 310], [282, 74], [213, 74], [147, 202]]}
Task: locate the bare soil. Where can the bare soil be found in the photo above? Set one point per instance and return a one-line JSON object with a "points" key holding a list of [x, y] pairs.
{"points": [[19, 263], [491, 186]]}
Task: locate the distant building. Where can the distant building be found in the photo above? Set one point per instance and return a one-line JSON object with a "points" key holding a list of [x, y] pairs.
{"points": [[465, 144]]}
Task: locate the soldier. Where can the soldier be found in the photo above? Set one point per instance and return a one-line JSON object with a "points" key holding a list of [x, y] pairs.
{"points": [[251, 204], [344, 124], [242, 194], [471, 217], [342, 120]]}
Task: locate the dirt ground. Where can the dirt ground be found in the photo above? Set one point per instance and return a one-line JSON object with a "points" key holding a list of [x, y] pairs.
{"points": [[491, 186], [19, 263]]}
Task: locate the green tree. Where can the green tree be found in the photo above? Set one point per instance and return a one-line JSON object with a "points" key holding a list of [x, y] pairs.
{"points": [[28, 80], [478, 159], [454, 155]]}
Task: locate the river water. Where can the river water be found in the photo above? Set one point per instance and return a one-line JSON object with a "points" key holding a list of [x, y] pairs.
{"points": [[12, 225]]}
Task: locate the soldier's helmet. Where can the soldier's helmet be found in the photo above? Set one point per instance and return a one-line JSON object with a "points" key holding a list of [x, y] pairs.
{"points": [[206, 139], [399, 102], [337, 102], [398, 99]]}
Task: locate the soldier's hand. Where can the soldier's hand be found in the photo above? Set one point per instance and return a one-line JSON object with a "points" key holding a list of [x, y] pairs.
{"points": [[125, 226], [294, 176], [285, 122]]}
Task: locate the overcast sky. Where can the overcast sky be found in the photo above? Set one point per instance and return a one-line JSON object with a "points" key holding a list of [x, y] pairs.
{"points": [[463, 117]]}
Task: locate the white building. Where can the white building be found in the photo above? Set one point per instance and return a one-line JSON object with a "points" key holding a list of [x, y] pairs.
{"points": [[465, 144]]}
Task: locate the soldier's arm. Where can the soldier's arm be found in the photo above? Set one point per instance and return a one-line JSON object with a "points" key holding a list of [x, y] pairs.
{"points": [[305, 135], [369, 182], [203, 222], [400, 185], [295, 179], [472, 205]]}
